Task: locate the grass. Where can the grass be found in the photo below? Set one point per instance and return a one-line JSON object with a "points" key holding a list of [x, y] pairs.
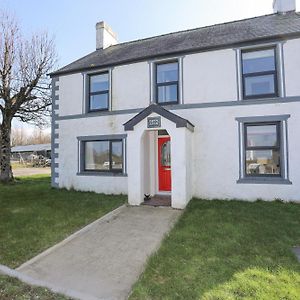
{"points": [[227, 250], [34, 216], [11, 288]]}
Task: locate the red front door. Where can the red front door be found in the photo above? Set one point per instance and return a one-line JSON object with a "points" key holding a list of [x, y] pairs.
{"points": [[164, 164]]}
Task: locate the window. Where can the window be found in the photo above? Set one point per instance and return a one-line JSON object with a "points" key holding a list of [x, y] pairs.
{"points": [[167, 83], [98, 97], [262, 149], [103, 156], [259, 73]]}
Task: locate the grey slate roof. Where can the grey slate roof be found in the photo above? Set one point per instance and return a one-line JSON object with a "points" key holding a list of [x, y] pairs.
{"points": [[268, 27]]}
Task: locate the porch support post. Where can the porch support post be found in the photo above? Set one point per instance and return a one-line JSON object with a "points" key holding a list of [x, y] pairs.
{"points": [[181, 175], [135, 150]]}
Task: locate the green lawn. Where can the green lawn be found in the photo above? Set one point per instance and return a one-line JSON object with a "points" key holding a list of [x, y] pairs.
{"points": [[34, 216], [227, 250]]}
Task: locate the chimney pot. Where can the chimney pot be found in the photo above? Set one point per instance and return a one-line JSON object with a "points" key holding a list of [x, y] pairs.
{"points": [[105, 37], [284, 6]]}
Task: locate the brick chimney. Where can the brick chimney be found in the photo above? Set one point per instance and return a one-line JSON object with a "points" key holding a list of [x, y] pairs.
{"points": [[105, 37], [284, 6]]}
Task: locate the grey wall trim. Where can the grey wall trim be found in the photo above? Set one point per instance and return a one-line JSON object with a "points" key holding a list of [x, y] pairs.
{"points": [[180, 122], [268, 118], [54, 125], [102, 174], [284, 154], [287, 149], [187, 106], [238, 74], [102, 137]]}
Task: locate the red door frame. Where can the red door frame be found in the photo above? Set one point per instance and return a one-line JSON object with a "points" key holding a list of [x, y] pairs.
{"points": [[164, 172]]}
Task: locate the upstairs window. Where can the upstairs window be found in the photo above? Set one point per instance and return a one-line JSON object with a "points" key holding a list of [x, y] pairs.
{"points": [[259, 73], [262, 149], [167, 83], [98, 92]]}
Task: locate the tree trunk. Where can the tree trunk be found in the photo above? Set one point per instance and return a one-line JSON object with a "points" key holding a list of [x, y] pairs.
{"points": [[6, 174]]}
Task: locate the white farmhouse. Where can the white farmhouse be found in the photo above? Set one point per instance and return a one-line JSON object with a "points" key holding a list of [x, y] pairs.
{"points": [[212, 112]]}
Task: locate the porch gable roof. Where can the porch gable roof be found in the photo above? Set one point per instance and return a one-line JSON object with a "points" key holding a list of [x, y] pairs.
{"points": [[155, 108]]}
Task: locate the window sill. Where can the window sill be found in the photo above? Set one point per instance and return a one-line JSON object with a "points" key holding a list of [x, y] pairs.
{"points": [[167, 103], [263, 180], [262, 97], [103, 174]]}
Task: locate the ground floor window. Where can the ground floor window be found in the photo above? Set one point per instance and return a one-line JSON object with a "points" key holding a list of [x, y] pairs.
{"points": [[263, 142], [101, 154]]}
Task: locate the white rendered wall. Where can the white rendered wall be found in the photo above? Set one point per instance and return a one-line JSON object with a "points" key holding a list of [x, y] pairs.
{"points": [[69, 130], [70, 94], [210, 155], [215, 162], [130, 86], [291, 50], [210, 77]]}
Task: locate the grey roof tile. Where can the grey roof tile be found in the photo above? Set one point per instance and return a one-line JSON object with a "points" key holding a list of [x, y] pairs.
{"points": [[199, 39]]}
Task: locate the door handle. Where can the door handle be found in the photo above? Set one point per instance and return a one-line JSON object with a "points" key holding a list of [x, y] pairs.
{"points": [[167, 169]]}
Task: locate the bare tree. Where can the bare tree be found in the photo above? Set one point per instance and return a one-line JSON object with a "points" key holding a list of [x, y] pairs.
{"points": [[24, 84], [21, 136]]}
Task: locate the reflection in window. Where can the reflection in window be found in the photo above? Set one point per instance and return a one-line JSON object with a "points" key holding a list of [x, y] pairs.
{"points": [[97, 155], [262, 149], [166, 154], [103, 156], [167, 82], [259, 73], [98, 92]]}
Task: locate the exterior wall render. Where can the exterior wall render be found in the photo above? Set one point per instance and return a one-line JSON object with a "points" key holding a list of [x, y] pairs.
{"points": [[212, 156]]}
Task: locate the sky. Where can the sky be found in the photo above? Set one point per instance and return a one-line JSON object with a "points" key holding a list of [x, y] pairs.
{"points": [[72, 22]]}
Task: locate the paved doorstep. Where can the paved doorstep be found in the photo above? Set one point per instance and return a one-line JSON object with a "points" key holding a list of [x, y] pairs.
{"points": [[106, 260]]}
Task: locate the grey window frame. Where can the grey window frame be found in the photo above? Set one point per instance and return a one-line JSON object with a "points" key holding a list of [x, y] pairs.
{"points": [[284, 150], [277, 147], [157, 85], [256, 74], [89, 93], [99, 138]]}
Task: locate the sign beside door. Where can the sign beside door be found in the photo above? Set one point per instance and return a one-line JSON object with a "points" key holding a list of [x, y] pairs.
{"points": [[164, 164]]}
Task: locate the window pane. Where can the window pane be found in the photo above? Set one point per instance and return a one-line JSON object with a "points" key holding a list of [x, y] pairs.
{"points": [[262, 135], [262, 162], [117, 155], [99, 83], [259, 85], [99, 101], [167, 72], [97, 155], [167, 93], [258, 61]]}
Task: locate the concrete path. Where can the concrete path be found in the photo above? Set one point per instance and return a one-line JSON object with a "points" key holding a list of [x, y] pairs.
{"points": [[106, 259]]}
